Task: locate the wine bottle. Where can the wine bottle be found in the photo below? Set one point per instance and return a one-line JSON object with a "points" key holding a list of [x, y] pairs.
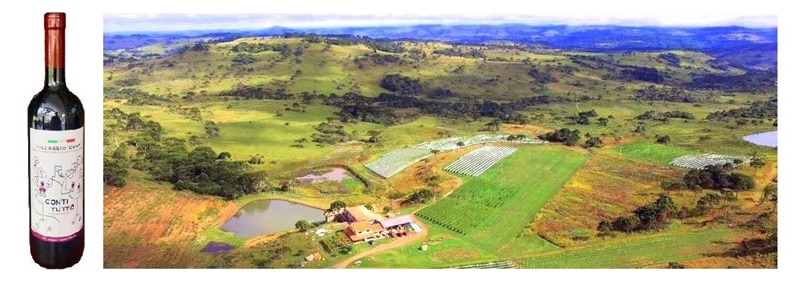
{"points": [[55, 162]]}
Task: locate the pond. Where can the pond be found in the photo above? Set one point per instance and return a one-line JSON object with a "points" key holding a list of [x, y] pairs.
{"points": [[267, 216], [217, 248], [764, 139], [332, 179], [331, 174]]}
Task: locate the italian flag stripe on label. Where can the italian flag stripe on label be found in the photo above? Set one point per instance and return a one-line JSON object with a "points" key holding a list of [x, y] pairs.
{"points": [[57, 141]]}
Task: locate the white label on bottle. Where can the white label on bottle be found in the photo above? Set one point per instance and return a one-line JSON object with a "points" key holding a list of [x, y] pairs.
{"points": [[56, 175]]}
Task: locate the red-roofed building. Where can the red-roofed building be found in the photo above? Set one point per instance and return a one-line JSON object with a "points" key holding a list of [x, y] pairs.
{"points": [[363, 230], [357, 213]]}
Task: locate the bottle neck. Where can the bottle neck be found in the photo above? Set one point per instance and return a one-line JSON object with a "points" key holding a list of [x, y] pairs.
{"points": [[54, 57]]}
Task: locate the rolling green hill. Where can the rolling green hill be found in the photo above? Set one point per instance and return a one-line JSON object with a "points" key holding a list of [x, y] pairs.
{"points": [[241, 118]]}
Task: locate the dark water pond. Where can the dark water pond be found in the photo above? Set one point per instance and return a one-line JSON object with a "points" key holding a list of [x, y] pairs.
{"points": [[269, 216], [764, 139], [217, 248]]}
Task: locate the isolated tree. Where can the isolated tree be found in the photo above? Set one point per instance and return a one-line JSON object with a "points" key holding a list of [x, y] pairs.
{"points": [[421, 196], [374, 136], [756, 162], [494, 125], [303, 225], [593, 142], [224, 155], [603, 121], [336, 205], [605, 228], [301, 142], [675, 265], [770, 194]]}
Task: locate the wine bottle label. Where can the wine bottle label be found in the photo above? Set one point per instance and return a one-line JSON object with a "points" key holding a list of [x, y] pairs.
{"points": [[56, 169]]}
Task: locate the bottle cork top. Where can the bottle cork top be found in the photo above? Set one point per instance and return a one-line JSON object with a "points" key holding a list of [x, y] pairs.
{"points": [[55, 20]]}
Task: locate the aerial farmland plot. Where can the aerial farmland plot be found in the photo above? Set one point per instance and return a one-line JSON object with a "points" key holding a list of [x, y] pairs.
{"points": [[397, 160], [479, 160]]}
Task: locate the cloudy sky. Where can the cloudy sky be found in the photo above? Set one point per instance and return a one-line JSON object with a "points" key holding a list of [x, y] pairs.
{"points": [[376, 13]]}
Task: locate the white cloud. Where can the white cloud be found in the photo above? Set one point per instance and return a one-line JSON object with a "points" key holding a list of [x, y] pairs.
{"points": [[179, 22], [231, 14]]}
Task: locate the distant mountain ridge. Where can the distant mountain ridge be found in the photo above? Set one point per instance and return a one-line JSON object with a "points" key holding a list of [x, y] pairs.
{"points": [[597, 38]]}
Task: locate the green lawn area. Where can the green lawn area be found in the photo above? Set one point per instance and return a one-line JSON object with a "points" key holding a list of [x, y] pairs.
{"points": [[630, 251], [651, 152]]}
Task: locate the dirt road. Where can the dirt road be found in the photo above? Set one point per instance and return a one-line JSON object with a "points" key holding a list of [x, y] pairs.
{"points": [[396, 242]]}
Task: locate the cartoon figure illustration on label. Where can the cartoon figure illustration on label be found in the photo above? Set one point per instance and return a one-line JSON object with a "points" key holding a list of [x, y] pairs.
{"points": [[58, 198]]}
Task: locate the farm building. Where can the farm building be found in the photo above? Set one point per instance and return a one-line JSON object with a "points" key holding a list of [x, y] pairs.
{"points": [[399, 221], [363, 230], [357, 214]]}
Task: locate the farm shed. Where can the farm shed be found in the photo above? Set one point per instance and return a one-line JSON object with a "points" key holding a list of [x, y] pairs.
{"points": [[396, 221]]}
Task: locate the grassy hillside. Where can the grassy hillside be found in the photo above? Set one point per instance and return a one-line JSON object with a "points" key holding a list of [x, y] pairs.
{"points": [[265, 110]]}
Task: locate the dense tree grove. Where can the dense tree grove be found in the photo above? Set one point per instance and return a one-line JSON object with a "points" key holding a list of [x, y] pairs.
{"points": [[367, 113], [134, 97], [243, 59], [665, 116], [644, 74], [115, 167], [757, 110], [442, 94], [471, 110], [251, 47], [377, 59], [671, 59], [718, 177], [330, 133], [542, 77], [652, 216], [460, 52], [168, 159], [401, 85], [196, 47], [564, 135], [420, 196], [652, 93], [751, 82]]}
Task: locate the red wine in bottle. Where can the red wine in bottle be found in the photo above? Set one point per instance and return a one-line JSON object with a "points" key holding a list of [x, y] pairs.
{"points": [[55, 162]]}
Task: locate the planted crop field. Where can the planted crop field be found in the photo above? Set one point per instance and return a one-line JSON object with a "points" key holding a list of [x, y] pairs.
{"points": [[638, 251], [396, 161], [493, 208], [478, 161], [460, 142], [701, 161]]}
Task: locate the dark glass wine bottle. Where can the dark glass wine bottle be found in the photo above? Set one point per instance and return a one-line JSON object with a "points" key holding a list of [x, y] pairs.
{"points": [[55, 162]]}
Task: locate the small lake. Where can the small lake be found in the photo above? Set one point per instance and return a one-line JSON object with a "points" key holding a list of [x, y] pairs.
{"points": [[764, 139], [267, 216]]}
